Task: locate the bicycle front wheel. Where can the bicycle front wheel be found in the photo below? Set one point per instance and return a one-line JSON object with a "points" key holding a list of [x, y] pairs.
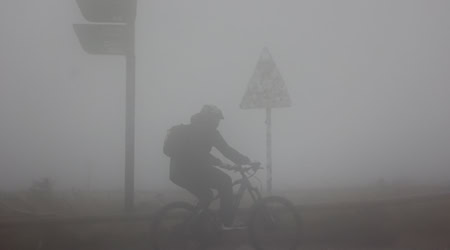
{"points": [[274, 224], [173, 228]]}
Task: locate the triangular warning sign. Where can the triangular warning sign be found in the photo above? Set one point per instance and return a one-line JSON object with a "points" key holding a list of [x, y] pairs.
{"points": [[266, 88]]}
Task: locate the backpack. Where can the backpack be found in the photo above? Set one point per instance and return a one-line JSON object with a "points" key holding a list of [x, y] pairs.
{"points": [[175, 141]]}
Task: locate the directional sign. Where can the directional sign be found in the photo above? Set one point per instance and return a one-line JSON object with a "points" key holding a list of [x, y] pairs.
{"points": [[108, 11], [104, 39], [115, 39], [266, 88]]}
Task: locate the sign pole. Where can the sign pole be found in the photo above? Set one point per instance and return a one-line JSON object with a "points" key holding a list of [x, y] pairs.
{"points": [[113, 33], [267, 90], [130, 120], [269, 149]]}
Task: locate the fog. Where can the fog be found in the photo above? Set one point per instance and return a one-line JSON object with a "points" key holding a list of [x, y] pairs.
{"points": [[368, 80]]}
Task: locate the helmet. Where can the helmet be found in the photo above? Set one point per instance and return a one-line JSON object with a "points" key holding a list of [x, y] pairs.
{"points": [[211, 111]]}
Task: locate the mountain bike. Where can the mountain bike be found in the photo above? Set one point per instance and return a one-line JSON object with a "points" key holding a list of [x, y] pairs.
{"points": [[273, 221]]}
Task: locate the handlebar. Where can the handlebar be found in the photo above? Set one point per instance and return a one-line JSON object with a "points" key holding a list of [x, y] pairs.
{"points": [[255, 166]]}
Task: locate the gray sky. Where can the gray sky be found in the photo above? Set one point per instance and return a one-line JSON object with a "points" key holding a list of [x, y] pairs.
{"points": [[369, 82]]}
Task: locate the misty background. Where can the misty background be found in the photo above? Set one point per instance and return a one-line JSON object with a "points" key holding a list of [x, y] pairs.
{"points": [[368, 80]]}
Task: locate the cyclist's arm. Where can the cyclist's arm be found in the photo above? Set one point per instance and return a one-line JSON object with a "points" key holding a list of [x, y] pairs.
{"points": [[228, 151]]}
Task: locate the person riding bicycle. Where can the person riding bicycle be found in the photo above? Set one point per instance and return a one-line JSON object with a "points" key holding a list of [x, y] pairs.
{"points": [[192, 166]]}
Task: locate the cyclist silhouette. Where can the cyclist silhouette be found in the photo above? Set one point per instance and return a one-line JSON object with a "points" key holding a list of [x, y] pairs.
{"points": [[192, 167]]}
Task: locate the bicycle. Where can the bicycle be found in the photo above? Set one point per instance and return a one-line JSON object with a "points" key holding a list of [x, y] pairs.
{"points": [[273, 222]]}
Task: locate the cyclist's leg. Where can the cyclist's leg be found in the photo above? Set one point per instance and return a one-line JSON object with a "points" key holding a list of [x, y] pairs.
{"points": [[221, 181], [198, 189]]}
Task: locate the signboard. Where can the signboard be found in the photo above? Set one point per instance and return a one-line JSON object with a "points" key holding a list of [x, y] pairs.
{"points": [[108, 11], [104, 39], [114, 34], [266, 88]]}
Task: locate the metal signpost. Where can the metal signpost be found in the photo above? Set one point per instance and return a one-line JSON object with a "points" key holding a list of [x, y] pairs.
{"points": [[266, 89], [114, 36]]}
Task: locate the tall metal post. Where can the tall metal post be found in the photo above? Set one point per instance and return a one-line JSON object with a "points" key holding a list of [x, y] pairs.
{"points": [[266, 89], [130, 119], [269, 149], [114, 34]]}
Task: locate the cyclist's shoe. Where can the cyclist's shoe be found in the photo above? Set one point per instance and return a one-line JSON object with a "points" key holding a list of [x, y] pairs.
{"points": [[234, 226]]}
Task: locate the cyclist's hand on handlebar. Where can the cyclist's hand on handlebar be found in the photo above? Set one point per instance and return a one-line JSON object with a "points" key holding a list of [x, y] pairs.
{"points": [[255, 165]]}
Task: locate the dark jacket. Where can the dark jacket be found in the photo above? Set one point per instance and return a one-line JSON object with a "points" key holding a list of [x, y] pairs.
{"points": [[199, 140]]}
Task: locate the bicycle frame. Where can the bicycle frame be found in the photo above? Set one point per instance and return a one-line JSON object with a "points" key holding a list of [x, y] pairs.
{"points": [[245, 185]]}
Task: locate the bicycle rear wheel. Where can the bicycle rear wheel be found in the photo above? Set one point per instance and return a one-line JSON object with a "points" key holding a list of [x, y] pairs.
{"points": [[174, 228], [274, 224]]}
